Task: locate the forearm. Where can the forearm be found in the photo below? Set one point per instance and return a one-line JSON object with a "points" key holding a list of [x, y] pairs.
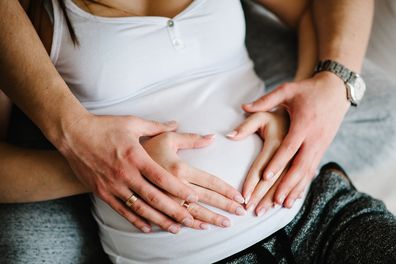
{"points": [[29, 78], [343, 29], [297, 14], [307, 47], [33, 175]]}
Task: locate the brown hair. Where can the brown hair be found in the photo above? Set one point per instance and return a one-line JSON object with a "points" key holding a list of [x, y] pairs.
{"points": [[34, 12]]}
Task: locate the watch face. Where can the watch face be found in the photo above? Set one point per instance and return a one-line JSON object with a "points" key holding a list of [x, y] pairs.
{"points": [[358, 87]]}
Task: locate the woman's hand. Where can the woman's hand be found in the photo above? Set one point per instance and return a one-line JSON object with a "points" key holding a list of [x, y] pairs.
{"points": [[106, 155], [210, 189], [272, 128], [316, 107]]}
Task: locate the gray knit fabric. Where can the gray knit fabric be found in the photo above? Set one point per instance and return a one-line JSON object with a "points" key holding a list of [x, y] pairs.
{"points": [[63, 231], [337, 224], [59, 231]]}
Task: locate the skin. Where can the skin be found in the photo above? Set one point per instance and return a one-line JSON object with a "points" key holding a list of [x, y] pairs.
{"points": [[317, 104], [101, 159], [62, 124], [17, 190]]}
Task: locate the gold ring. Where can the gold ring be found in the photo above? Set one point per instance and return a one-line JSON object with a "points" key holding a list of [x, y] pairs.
{"points": [[186, 204], [131, 200]]}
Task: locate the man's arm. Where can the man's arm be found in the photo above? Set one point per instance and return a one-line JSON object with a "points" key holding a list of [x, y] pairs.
{"points": [[30, 79], [103, 151], [318, 104], [343, 28]]}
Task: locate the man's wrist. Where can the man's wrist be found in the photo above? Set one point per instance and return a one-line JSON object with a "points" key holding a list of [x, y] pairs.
{"points": [[336, 84], [61, 115]]}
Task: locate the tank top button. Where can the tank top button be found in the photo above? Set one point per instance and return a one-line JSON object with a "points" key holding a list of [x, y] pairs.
{"points": [[178, 43], [171, 23]]}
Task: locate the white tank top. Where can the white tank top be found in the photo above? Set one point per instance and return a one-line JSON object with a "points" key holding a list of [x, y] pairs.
{"points": [[193, 68]]}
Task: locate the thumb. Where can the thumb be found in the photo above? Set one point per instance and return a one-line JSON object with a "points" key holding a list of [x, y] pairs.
{"points": [[249, 126], [152, 128], [191, 140], [269, 100]]}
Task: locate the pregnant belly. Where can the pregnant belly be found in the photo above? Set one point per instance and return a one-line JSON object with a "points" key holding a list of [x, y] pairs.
{"points": [[226, 159], [203, 106]]}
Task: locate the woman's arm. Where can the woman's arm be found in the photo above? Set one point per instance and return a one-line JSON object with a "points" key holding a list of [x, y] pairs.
{"points": [[32, 175], [317, 105], [103, 151], [297, 14]]}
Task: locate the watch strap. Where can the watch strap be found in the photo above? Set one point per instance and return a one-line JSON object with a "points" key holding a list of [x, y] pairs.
{"points": [[337, 68]]}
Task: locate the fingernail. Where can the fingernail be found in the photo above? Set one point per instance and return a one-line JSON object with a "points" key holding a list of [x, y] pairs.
{"points": [[232, 134], [239, 199], [170, 123], [249, 207], [204, 226], [261, 211], [300, 196], [270, 175], [174, 229], [145, 229], [226, 223], [209, 136], [291, 203], [281, 199], [248, 105], [240, 211], [188, 222], [192, 198], [247, 198]]}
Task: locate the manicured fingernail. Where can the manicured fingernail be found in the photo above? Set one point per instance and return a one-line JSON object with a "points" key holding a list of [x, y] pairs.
{"points": [[239, 199], [192, 198], [209, 136], [261, 211], [188, 222], [248, 105], [240, 211], [146, 229], [247, 198], [170, 123], [275, 206], [269, 175], [174, 229], [281, 199], [204, 226], [226, 223], [232, 134], [250, 207]]}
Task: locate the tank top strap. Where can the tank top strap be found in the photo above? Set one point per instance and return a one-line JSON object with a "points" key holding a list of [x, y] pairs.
{"points": [[59, 26]]}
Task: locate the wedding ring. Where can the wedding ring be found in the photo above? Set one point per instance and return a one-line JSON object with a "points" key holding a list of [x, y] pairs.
{"points": [[131, 200]]}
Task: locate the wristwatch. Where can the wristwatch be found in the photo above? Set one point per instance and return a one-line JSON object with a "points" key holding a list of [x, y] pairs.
{"points": [[354, 84]]}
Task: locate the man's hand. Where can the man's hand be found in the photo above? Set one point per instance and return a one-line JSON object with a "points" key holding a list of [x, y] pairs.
{"points": [[106, 155], [316, 108], [210, 189]]}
